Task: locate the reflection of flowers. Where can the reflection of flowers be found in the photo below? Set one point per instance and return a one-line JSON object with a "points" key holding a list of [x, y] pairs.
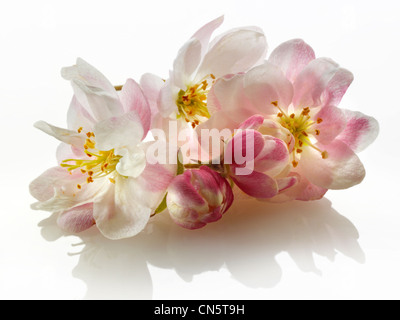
{"points": [[290, 140], [306, 231]]}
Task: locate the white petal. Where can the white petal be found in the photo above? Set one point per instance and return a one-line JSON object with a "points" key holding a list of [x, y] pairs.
{"points": [[132, 163], [118, 132], [118, 215], [64, 135]]}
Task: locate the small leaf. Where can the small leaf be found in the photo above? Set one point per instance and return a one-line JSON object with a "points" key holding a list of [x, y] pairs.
{"points": [[161, 207], [180, 167]]}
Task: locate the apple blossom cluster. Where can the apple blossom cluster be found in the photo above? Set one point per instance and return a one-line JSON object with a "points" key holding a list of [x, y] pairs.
{"points": [[227, 121]]}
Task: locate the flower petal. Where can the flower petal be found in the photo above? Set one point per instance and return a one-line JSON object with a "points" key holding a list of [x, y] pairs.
{"points": [[236, 51], [167, 99], [334, 121], [132, 163], [186, 63], [337, 87], [360, 131], [254, 123], [79, 117], [77, 219], [292, 56], [133, 99], [64, 135], [118, 215], [341, 170], [151, 86], [273, 158], [205, 32], [119, 132], [266, 84], [56, 189], [257, 185], [312, 81], [93, 90]]}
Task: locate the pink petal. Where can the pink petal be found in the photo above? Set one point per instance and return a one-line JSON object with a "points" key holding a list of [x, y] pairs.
{"points": [[273, 158], [118, 215], [312, 81], [266, 84], [334, 121], [257, 185], [93, 91], [151, 86], [292, 56], [337, 87], [133, 99], [236, 51], [341, 170], [204, 34], [254, 123], [229, 96], [273, 128], [286, 183], [77, 219], [244, 147], [360, 131]]}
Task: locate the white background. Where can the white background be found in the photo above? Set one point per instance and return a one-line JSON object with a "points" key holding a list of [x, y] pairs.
{"points": [[346, 246]]}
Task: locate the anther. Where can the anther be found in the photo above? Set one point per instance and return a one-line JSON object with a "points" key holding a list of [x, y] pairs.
{"points": [[292, 115], [299, 151], [324, 155], [212, 76], [111, 180], [90, 173], [319, 120], [280, 114], [275, 103], [89, 179], [294, 163], [80, 130], [304, 133], [79, 186], [317, 132]]}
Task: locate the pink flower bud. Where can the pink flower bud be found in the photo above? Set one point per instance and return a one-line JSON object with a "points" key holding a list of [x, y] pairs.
{"points": [[197, 197]]}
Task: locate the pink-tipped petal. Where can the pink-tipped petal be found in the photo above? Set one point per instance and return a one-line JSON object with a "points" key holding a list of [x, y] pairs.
{"points": [[77, 219], [151, 86], [273, 158], [341, 170], [133, 99], [273, 128], [118, 215], [312, 81], [266, 85], [360, 131], [236, 51], [253, 123], [286, 183], [292, 56], [257, 185], [334, 121], [337, 87]]}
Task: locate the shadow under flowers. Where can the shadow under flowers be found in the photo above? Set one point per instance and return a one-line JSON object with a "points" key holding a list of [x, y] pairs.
{"points": [[246, 242]]}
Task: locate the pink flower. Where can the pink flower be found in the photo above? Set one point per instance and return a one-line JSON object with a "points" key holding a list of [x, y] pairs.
{"points": [[199, 63], [103, 177], [298, 97], [198, 197], [257, 163]]}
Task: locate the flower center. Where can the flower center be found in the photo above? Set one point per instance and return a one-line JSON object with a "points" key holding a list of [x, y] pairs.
{"points": [[303, 130], [192, 103], [100, 164]]}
